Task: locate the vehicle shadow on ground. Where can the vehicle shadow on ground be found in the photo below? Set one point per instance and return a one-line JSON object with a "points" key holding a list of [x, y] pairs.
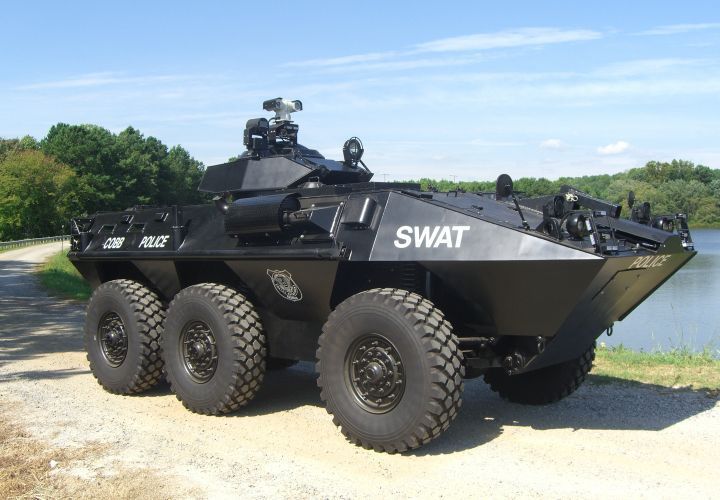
{"points": [[33, 324], [284, 390], [607, 404], [43, 374], [36, 327], [281, 390], [602, 403]]}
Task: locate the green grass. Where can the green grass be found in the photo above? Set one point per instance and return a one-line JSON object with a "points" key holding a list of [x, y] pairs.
{"points": [[679, 367], [62, 279]]}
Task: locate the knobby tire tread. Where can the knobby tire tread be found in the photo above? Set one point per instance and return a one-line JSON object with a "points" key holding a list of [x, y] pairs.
{"points": [[249, 351], [149, 313], [543, 386], [448, 369]]}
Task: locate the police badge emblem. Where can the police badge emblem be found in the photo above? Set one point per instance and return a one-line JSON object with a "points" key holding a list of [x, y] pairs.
{"points": [[285, 285]]}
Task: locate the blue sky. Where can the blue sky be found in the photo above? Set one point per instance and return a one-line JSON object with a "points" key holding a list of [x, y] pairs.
{"points": [[437, 89]]}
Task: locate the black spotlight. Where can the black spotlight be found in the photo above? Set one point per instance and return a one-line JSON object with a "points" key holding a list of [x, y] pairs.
{"points": [[503, 186], [352, 151], [577, 225], [631, 199], [665, 223]]}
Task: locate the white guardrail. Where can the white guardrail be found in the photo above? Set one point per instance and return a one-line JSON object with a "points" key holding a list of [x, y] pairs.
{"points": [[5, 245]]}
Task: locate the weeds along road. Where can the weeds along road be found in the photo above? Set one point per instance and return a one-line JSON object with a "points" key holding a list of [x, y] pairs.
{"points": [[605, 440]]}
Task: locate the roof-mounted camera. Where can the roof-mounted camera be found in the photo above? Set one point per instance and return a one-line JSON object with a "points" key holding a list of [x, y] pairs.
{"points": [[282, 108], [277, 135]]}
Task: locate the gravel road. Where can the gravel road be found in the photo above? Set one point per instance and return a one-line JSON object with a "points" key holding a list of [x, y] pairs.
{"points": [[605, 440]]}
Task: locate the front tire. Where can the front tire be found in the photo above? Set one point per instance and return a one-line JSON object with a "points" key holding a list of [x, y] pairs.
{"points": [[214, 349], [390, 370], [545, 385], [123, 327]]}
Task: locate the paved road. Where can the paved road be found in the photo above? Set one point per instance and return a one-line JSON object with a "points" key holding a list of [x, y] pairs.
{"points": [[31, 322], [606, 440]]}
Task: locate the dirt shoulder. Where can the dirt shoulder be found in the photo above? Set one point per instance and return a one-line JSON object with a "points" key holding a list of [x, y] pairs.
{"points": [[31, 468], [606, 439]]}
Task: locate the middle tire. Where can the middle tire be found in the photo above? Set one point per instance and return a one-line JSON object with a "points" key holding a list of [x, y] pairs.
{"points": [[214, 349], [391, 373]]}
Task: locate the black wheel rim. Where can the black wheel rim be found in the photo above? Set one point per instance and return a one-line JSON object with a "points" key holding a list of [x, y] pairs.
{"points": [[113, 339], [198, 351], [374, 373]]}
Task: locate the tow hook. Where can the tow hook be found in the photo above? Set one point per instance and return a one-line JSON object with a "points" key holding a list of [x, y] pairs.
{"points": [[514, 362]]}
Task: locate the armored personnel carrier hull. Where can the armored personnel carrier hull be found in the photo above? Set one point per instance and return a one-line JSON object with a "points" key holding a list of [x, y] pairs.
{"points": [[398, 294]]}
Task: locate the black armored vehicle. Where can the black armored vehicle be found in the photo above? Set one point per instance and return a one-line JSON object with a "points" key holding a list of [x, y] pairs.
{"points": [[398, 294]]}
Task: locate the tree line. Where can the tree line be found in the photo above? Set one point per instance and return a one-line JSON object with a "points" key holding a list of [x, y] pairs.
{"points": [[84, 169], [678, 186]]}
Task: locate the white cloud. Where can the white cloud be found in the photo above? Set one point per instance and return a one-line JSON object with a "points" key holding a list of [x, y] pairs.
{"points": [[552, 144], [504, 39], [403, 64], [101, 79], [344, 60], [600, 89], [495, 144], [614, 148], [641, 67], [521, 37], [674, 29]]}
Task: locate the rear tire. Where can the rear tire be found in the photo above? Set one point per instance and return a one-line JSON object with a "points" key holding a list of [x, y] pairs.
{"points": [[545, 385], [123, 327], [391, 373], [214, 349]]}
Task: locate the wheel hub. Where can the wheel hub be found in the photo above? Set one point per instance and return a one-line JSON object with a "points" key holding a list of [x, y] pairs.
{"points": [[112, 339], [198, 350], [375, 373]]}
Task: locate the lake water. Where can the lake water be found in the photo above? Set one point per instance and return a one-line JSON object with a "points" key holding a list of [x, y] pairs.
{"points": [[685, 311]]}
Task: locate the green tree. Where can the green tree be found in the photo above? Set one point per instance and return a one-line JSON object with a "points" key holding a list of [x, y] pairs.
{"points": [[90, 150], [26, 143], [125, 169], [715, 189], [179, 177], [137, 168], [37, 195], [706, 175]]}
